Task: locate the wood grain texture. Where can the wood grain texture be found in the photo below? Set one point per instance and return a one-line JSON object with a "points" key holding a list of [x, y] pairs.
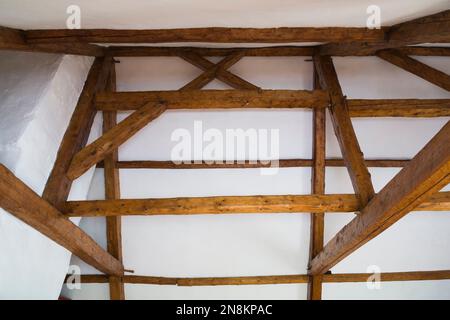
{"points": [[433, 28], [112, 191], [22, 202], [231, 99], [283, 163], [430, 29], [276, 51], [58, 184], [278, 279], [112, 139], [425, 175], [420, 108], [218, 71], [389, 276], [213, 99], [14, 39], [401, 60], [317, 187], [217, 35], [144, 51], [343, 128], [233, 204]]}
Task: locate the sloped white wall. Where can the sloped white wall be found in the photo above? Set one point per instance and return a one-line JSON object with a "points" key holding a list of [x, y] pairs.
{"points": [[237, 245], [39, 93]]}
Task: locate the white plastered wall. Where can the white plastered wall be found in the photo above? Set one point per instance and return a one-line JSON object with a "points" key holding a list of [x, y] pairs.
{"points": [[38, 95], [240, 245]]}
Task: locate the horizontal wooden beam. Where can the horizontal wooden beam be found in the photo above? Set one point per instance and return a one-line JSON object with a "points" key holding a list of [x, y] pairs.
{"points": [[230, 99], [388, 276], [213, 99], [147, 51], [265, 280], [421, 108], [426, 51], [213, 35], [338, 203], [23, 203], [283, 163], [426, 174], [275, 51], [13, 39]]}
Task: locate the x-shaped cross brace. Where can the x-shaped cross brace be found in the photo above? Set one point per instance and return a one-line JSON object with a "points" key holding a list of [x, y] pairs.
{"points": [[218, 71]]}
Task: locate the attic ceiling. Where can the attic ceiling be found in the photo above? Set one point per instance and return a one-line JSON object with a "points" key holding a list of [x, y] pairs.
{"points": [[141, 14]]}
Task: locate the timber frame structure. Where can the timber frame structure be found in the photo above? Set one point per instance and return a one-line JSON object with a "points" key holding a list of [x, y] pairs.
{"points": [[415, 187]]}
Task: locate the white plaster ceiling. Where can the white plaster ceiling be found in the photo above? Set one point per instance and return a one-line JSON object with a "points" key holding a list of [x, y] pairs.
{"points": [[144, 14]]}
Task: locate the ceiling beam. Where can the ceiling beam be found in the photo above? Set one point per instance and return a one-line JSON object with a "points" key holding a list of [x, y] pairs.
{"points": [[430, 29], [343, 129], [274, 51], [414, 108], [337, 203], [283, 163], [112, 139], [14, 39], [23, 203], [425, 175], [401, 60], [265, 280], [213, 35], [213, 99], [148, 51], [230, 99]]}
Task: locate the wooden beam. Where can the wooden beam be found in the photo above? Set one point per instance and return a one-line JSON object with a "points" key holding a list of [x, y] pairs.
{"points": [[264, 280], [215, 70], [111, 140], [213, 99], [426, 174], [58, 185], [338, 203], [214, 205], [218, 35], [14, 39], [424, 108], [401, 60], [433, 28], [276, 51], [112, 192], [142, 51], [317, 187], [227, 99], [190, 282], [283, 163], [23, 203], [344, 131], [426, 51], [389, 276], [218, 71]]}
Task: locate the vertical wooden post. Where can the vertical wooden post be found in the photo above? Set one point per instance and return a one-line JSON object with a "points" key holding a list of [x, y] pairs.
{"points": [[112, 192], [317, 187]]}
